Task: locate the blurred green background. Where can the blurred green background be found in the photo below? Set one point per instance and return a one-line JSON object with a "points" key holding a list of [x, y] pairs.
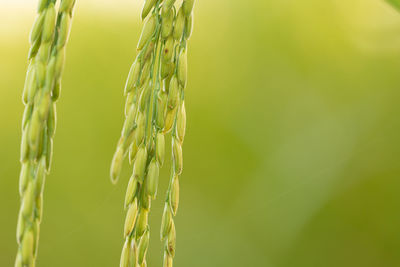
{"points": [[292, 150]]}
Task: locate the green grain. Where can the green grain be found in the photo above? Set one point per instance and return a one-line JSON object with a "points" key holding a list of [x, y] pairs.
{"points": [[154, 107], [48, 37]]}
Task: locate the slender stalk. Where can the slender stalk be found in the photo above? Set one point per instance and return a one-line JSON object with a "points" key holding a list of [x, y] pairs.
{"points": [[154, 107], [48, 38]]}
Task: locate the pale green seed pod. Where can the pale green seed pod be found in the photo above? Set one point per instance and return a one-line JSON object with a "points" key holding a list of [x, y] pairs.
{"points": [[168, 50], [130, 97], [44, 52], [178, 157], [27, 115], [148, 31], [166, 222], [132, 151], [133, 77], [167, 68], [39, 209], [129, 123], [142, 248], [20, 228], [181, 123], [188, 26], [24, 177], [160, 148], [59, 64], [40, 74], [133, 253], [174, 195], [37, 28], [161, 109], [166, 83], [145, 199], [169, 3], [18, 260], [41, 145], [49, 154], [124, 262], [167, 25], [173, 95], [27, 247], [27, 201], [116, 165], [131, 191], [66, 6], [49, 23], [142, 223], [44, 106], [139, 166], [144, 76], [30, 84], [141, 128], [152, 179], [144, 97], [179, 25], [24, 146], [182, 68], [171, 240], [187, 7], [40, 176], [55, 94], [149, 51], [50, 71], [131, 218], [42, 5], [63, 32], [167, 260], [34, 48], [34, 130], [52, 121], [148, 6], [169, 120]]}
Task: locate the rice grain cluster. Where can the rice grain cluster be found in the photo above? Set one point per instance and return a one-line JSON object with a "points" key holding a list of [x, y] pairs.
{"points": [[48, 38], [154, 90]]}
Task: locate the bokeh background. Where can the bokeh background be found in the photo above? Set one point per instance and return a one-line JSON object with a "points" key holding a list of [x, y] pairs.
{"points": [[292, 154]]}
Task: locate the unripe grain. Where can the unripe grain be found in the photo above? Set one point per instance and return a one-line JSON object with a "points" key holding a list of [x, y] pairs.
{"points": [[187, 7], [140, 164], [182, 68], [152, 179], [148, 5], [130, 218], [148, 31], [179, 25]]}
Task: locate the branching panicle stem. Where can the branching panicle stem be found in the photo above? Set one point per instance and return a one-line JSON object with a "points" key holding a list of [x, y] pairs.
{"points": [[154, 106], [48, 38]]}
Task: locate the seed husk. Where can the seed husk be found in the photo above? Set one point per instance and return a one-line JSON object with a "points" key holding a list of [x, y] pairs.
{"points": [[140, 164], [178, 158], [152, 179], [49, 23], [116, 165], [179, 25], [143, 245], [187, 7], [174, 196], [166, 222], [148, 6], [148, 31], [182, 68], [130, 218]]}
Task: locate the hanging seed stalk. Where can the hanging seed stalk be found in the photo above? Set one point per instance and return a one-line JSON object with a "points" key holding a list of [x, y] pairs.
{"points": [[154, 107], [48, 38]]}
